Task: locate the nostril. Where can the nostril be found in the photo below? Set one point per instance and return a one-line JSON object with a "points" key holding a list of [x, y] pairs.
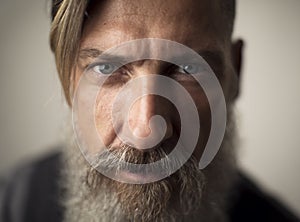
{"points": [[141, 131], [146, 135]]}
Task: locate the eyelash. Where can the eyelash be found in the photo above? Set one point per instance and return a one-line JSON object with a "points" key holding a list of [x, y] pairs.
{"points": [[118, 67]]}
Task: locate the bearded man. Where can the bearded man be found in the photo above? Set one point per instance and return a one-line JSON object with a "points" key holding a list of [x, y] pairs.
{"points": [[122, 63]]}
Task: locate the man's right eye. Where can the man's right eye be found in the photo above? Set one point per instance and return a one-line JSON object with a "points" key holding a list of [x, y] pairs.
{"points": [[105, 68], [191, 68]]}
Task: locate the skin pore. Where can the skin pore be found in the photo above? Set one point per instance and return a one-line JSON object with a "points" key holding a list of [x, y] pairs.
{"points": [[198, 25]]}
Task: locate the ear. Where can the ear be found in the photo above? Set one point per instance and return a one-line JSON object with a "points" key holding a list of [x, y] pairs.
{"points": [[237, 60]]}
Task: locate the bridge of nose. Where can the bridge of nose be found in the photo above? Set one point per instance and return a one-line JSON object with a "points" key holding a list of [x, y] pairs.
{"points": [[149, 105]]}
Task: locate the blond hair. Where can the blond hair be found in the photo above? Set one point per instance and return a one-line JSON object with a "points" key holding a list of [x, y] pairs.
{"points": [[65, 37]]}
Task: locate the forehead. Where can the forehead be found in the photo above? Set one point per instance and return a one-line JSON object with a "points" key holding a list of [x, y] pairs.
{"points": [[190, 22]]}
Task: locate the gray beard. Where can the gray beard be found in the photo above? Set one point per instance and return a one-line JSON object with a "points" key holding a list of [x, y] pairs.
{"points": [[199, 195]]}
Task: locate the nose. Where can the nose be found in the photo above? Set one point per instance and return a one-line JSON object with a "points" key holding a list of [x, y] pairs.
{"points": [[150, 116]]}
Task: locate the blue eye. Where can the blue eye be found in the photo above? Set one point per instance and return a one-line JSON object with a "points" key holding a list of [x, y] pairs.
{"points": [[105, 68], [191, 68]]}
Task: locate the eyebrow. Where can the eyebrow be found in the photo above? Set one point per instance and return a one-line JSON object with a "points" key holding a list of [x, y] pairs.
{"points": [[213, 57], [89, 53], [93, 53]]}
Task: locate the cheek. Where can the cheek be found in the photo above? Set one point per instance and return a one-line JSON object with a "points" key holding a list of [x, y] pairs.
{"points": [[201, 102], [230, 84], [103, 116], [203, 108]]}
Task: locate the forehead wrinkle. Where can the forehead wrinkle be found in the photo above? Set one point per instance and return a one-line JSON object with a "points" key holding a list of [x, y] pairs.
{"points": [[118, 21], [120, 36], [152, 13]]}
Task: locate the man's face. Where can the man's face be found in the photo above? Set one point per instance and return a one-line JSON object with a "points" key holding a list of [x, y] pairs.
{"points": [[195, 24]]}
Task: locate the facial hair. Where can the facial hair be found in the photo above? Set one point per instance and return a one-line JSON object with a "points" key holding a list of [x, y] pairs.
{"points": [[190, 194]]}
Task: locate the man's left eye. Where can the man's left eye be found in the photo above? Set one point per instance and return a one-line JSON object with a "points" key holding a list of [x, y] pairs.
{"points": [[105, 68], [191, 68]]}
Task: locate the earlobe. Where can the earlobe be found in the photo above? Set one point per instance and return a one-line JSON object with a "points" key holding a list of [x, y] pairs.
{"points": [[237, 60]]}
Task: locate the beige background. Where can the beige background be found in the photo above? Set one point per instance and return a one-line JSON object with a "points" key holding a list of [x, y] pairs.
{"points": [[268, 110]]}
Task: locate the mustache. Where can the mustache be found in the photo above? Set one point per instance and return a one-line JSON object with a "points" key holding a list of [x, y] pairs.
{"points": [[128, 158]]}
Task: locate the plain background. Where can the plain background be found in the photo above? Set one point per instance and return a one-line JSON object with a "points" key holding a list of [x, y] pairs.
{"points": [[32, 108]]}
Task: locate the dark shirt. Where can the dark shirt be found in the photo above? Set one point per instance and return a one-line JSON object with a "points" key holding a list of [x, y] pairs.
{"points": [[33, 195]]}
